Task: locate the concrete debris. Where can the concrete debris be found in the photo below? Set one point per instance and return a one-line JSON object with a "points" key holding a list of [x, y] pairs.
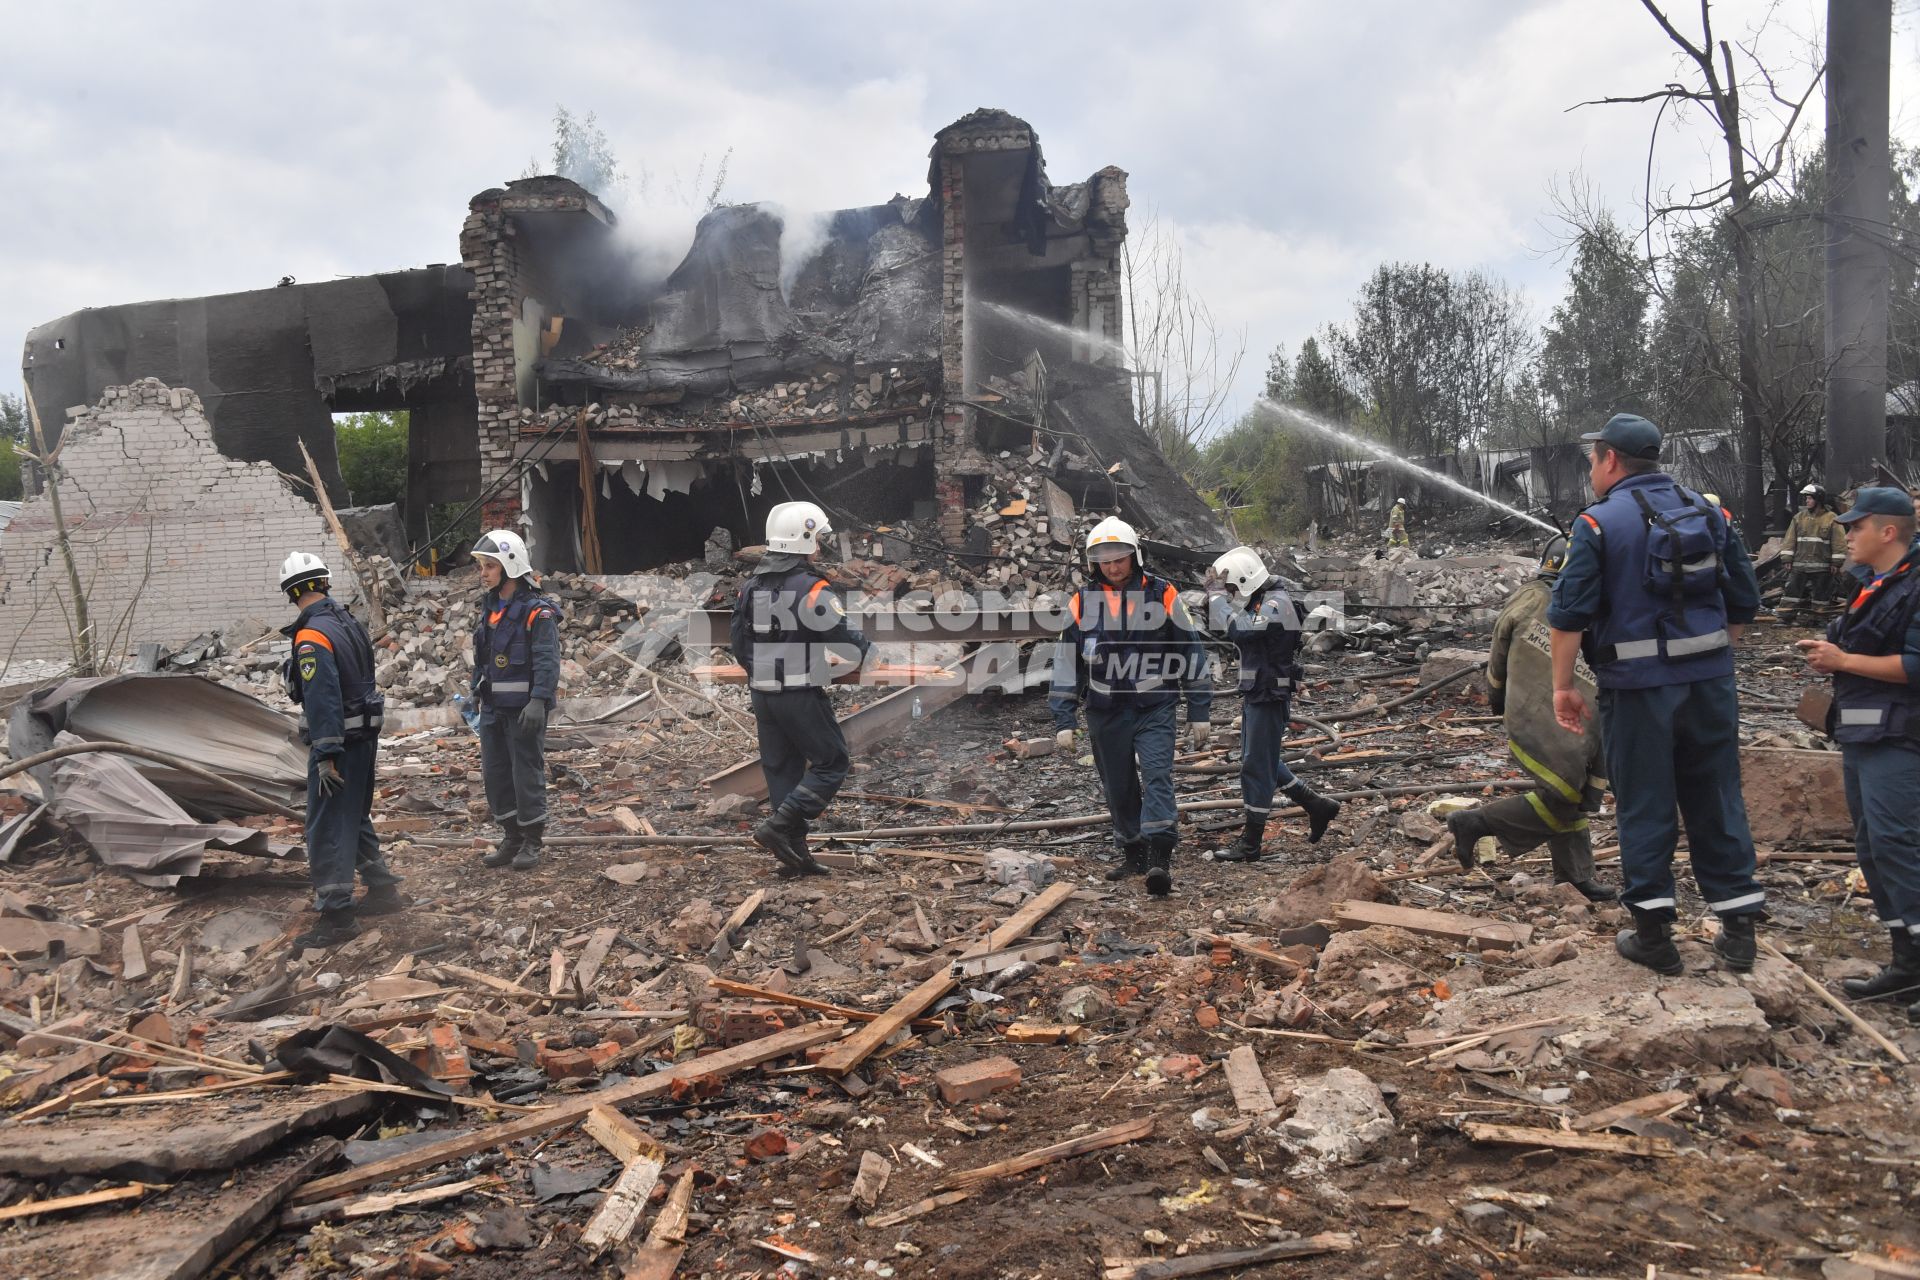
{"points": [[1338, 1117]]}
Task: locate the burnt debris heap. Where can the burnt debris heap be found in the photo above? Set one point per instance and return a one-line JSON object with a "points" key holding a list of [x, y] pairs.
{"points": [[879, 357]]}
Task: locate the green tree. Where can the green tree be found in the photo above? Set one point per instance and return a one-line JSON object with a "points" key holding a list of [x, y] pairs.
{"points": [[373, 457], [13, 418], [1593, 355], [11, 488], [1279, 387], [1317, 387]]}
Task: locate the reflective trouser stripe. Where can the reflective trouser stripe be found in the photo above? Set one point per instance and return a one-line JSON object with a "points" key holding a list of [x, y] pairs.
{"points": [[1652, 904], [1265, 813], [1545, 815], [1565, 789], [1863, 715], [1733, 904]]}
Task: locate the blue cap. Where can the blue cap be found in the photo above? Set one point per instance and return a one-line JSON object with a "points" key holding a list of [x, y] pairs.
{"points": [[1879, 502], [1631, 434]]}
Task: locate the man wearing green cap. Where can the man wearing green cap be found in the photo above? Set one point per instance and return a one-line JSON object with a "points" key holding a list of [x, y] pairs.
{"points": [[1655, 592], [1872, 651]]}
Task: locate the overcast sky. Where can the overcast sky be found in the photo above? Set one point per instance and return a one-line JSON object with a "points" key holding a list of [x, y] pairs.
{"points": [[1289, 145]]}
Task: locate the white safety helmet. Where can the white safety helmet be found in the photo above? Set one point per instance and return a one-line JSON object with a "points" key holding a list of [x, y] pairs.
{"points": [[303, 572], [1399, 502], [1810, 491], [508, 548], [1112, 539], [796, 528], [1243, 570]]}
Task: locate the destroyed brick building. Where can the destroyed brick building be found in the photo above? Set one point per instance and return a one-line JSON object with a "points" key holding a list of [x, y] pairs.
{"points": [[877, 358]]}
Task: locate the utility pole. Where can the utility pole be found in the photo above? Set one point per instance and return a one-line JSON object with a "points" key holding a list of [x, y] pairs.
{"points": [[1859, 276]]}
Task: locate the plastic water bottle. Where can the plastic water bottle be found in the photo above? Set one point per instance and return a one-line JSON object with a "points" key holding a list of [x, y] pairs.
{"points": [[919, 712], [467, 712]]}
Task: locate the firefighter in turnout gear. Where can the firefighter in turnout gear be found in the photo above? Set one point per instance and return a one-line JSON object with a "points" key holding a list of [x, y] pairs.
{"points": [[1815, 552], [1655, 592], [1872, 651], [1568, 770], [1397, 523], [1128, 651], [788, 626], [1251, 605], [516, 678], [329, 674]]}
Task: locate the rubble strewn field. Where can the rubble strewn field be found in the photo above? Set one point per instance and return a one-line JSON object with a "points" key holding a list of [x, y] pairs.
{"points": [[1247, 1078]]}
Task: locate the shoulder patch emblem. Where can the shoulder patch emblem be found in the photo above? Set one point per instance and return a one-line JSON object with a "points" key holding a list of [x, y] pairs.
{"points": [[308, 666], [500, 660]]}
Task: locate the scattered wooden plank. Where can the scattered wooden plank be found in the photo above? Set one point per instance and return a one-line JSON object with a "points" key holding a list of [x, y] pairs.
{"points": [[373, 1206], [1248, 1082], [1833, 1002], [771, 996], [743, 913], [1618, 1144], [1046, 1033], [629, 820], [918, 1209], [133, 956], [723, 1063], [781, 1249], [182, 988], [1651, 1105], [858, 1047], [1499, 935], [620, 1212], [992, 962], [586, 970], [659, 1257], [556, 973], [1118, 1135], [492, 983], [79, 1093], [1261, 954], [1207, 1263], [60, 1204], [624, 1138]]}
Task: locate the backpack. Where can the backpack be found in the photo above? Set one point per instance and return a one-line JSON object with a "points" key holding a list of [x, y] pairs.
{"points": [[1683, 549]]}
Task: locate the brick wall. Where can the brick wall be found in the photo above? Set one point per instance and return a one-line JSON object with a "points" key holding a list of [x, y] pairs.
{"points": [[160, 520], [490, 249]]}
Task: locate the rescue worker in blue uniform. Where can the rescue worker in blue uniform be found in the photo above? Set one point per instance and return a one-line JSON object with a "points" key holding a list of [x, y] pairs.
{"points": [[329, 675], [1872, 651], [1128, 646], [1569, 772], [1251, 605], [788, 631], [1655, 592], [516, 677]]}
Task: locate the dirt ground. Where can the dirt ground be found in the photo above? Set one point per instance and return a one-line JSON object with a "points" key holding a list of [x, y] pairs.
{"points": [[1792, 1138]]}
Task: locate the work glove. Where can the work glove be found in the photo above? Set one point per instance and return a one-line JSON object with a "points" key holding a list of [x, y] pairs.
{"points": [[533, 716], [1063, 740], [1198, 731], [332, 783]]}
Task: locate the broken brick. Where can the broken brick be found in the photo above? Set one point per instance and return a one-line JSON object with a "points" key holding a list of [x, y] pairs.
{"points": [[1206, 1017], [765, 1144], [972, 1081], [568, 1064]]}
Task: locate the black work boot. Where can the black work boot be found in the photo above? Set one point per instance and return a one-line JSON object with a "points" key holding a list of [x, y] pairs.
{"points": [[334, 927], [1247, 847], [781, 834], [1736, 943], [1466, 829], [1898, 976], [1320, 810], [812, 865], [381, 900], [527, 857], [1133, 860], [1160, 865], [1650, 943], [509, 846]]}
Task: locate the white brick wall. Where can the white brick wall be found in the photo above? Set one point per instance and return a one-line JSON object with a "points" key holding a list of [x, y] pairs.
{"points": [[148, 497]]}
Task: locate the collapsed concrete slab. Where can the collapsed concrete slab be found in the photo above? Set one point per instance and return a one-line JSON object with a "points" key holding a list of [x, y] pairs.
{"points": [[1794, 796]]}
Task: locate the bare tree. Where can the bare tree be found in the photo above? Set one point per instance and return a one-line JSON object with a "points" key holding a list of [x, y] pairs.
{"points": [[1718, 89], [1176, 343]]}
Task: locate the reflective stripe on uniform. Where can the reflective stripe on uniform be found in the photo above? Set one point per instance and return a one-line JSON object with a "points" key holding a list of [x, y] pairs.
{"points": [[1264, 813], [1545, 815], [1636, 649], [1862, 715], [1652, 904], [1697, 644], [1566, 789], [511, 686], [1744, 900]]}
